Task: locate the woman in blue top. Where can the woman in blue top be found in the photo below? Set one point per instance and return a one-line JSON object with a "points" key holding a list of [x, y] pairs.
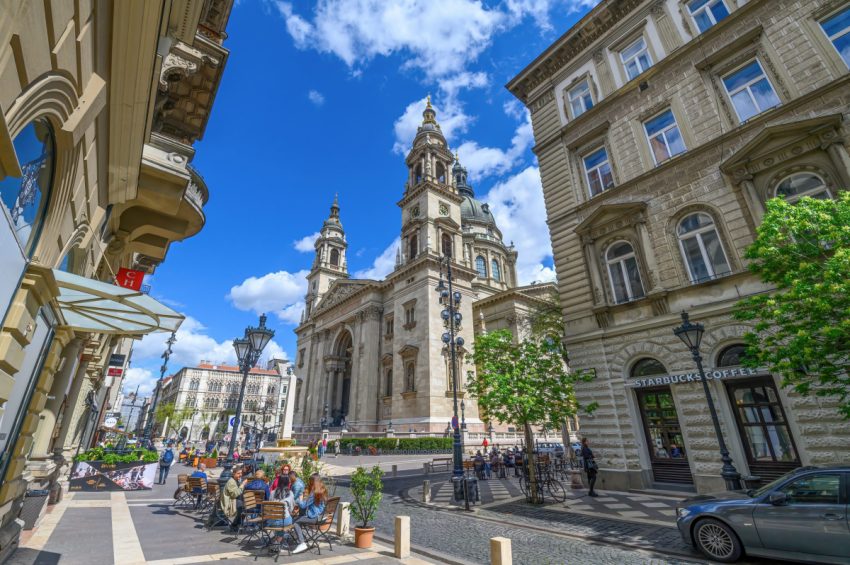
{"points": [[312, 506]]}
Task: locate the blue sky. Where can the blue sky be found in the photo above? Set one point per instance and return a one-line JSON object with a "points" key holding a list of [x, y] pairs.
{"points": [[324, 97]]}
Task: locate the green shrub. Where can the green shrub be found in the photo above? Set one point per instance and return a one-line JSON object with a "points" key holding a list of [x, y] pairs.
{"points": [[367, 489], [390, 444]]}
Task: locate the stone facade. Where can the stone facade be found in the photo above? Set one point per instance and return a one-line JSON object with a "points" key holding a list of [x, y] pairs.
{"points": [[97, 119], [621, 302], [370, 352]]}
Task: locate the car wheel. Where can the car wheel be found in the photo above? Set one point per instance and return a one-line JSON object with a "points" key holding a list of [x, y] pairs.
{"points": [[717, 541]]}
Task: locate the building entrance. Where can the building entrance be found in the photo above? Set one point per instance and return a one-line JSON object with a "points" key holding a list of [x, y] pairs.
{"points": [[664, 436]]}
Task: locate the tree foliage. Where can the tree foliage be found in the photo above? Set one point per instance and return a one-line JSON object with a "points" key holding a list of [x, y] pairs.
{"points": [[367, 489], [802, 330]]}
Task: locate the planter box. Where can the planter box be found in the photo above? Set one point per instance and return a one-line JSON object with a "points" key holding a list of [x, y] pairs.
{"points": [[210, 462], [93, 476]]}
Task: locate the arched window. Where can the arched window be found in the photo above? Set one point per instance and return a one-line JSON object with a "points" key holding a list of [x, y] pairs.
{"points": [[447, 245], [495, 271], [732, 356], [25, 198], [798, 185], [481, 267], [335, 257], [624, 273], [417, 174], [701, 248], [648, 367], [441, 173], [414, 246], [410, 378], [388, 386]]}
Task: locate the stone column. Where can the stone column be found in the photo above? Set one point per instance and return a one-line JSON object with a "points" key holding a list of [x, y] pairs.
{"points": [[752, 197], [670, 38], [649, 255], [590, 256], [838, 154], [603, 71], [58, 391]]}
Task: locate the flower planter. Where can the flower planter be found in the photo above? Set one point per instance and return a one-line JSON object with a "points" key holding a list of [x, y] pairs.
{"points": [[210, 462], [363, 537]]}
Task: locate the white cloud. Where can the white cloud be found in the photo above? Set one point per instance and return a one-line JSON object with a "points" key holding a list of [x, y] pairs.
{"points": [[453, 121], [316, 97], [483, 162], [306, 244], [142, 378], [383, 264], [279, 292], [517, 204], [193, 345]]}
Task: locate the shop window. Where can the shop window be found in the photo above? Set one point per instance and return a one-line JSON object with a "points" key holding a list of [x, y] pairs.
{"points": [[663, 431], [597, 170], [495, 270], [750, 90], [664, 137], [814, 489], [798, 185], [481, 267], [701, 248], [707, 13], [25, 198], [837, 29], [624, 273], [636, 58], [761, 421], [580, 99]]}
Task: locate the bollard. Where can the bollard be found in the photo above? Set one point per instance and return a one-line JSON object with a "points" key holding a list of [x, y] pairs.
{"points": [[402, 537], [343, 519], [395, 470], [426, 491], [500, 551], [575, 479], [426, 468]]}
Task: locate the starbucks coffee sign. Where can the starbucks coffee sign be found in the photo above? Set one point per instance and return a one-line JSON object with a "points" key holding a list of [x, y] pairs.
{"points": [[694, 377]]}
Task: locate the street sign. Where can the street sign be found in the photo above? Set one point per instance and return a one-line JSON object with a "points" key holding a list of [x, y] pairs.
{"points": [[232, 421], [128, 278], [117, 359], [110, 421], [454, 422]]}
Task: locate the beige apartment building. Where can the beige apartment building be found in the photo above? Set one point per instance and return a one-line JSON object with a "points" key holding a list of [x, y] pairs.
{"points": [[100, 104], [661, 128]]}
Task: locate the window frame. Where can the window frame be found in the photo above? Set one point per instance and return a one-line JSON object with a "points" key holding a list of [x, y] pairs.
{"points": [[620, 262], [636, 57], [706, 8], [747, 87], [697, 233], [797, 197], [663, 134], [586, 83], [482, 271], [831, 39], [495, 270], [596, 168]]}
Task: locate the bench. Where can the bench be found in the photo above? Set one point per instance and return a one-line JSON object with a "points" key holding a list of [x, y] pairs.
{"points": [[445, 461]]}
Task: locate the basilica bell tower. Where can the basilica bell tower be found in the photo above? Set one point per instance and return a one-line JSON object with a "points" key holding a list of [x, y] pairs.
{"points": [[330, 262]]}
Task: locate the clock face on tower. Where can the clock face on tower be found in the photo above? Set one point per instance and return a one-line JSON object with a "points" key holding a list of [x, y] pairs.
{"points": [[414, 212], [444, 209]]}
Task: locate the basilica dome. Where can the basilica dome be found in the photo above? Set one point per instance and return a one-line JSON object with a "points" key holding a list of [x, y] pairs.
{"points": [[471, 209]]}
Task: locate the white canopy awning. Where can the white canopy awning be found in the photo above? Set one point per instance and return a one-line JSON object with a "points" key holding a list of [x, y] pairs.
{"points": [[94, 306]]}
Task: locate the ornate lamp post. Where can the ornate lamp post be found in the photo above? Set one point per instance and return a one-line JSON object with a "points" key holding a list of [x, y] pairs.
{"points": [[691, 336], [248, 350], [450, 300], [152, 411]]}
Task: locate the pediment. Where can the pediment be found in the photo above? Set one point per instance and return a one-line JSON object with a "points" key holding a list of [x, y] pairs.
{"points": [[608, 214], [446, 221], [781, 141], [339, 291], [408, 351]]}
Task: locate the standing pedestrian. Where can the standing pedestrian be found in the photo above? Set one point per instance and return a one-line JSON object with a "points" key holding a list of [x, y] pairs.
{"points": [[165, 464], [336, 448], [590, 466]]}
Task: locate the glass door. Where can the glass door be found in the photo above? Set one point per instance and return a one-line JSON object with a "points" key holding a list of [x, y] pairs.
{"points": [[664, 436]]}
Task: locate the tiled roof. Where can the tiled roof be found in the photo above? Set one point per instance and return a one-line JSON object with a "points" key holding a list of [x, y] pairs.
{"points": [[235, 369]]}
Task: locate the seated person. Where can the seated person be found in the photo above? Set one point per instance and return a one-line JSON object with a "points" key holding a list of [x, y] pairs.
{"points": [[296, 484], [199, 474], [312, 505], [259, 483], [231, 497]]}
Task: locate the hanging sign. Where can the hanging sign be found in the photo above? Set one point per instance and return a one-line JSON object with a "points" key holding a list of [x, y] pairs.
{"points": [[117, 359], [695, 378], [128, 278], [114, 371]]}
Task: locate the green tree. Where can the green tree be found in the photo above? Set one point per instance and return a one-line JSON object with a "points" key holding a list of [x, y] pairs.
{"points": [[175, 416], [524, 383], [802, 329]]}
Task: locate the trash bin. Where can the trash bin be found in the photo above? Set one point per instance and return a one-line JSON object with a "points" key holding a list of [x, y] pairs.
{"points": [[457, 484], [472, 490]]}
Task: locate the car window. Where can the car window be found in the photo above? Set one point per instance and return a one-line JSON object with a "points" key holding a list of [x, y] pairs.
{"points": [[814, 489]]}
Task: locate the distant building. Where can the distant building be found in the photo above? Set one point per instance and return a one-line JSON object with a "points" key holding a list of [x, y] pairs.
{"points": [[661, 128]]}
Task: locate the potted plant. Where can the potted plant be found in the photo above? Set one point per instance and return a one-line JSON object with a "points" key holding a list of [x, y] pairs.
{"points": [[367, 489]]}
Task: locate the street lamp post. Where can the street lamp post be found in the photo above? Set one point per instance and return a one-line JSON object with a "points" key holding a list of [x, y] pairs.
{"points": [[152, 411], [450, 300], [248, 350], [691, 336]]}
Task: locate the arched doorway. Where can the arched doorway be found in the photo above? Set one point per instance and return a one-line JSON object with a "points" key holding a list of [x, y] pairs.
{"points": [[341, 382]]}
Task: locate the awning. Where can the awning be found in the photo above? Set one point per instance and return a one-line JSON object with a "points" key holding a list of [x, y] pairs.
{"points": [[94, 306]]}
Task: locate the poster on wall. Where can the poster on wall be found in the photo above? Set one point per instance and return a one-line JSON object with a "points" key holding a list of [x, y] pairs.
{"points": [[93, 476]]}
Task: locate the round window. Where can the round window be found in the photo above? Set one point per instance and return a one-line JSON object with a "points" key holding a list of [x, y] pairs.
{"points": [[24, 198]]}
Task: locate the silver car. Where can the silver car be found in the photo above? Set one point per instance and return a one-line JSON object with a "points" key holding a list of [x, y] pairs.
{"points": [[802, 516]]}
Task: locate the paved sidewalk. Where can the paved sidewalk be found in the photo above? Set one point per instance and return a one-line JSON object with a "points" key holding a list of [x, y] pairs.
{"points": [[143, 527]]}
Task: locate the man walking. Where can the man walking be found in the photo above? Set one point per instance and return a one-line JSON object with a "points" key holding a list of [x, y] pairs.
{"points": [[165, 464]]}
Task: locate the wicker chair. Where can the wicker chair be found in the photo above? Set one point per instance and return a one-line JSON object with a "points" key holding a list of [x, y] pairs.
{"points": [[319, 531]]}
